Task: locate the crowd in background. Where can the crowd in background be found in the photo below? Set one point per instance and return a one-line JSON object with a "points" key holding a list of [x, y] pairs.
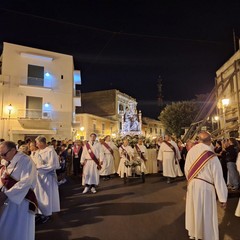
{"points": [[60, 159]]}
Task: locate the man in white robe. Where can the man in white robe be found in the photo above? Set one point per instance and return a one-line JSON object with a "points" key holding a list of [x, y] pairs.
{"points": [[90, 177], [126, 153], [47, 186], [17, 222], [140, 153], [201, 208], [169, 155], [108, 166]]}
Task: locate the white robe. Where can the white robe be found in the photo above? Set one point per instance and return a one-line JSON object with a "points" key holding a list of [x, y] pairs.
{"points": [[201, 207], [90, 172], [143, 150], [170, 164], [47, 187], [16, 221], [122, 168], [108, 166]]}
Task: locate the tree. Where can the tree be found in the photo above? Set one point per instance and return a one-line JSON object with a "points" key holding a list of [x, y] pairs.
{"points": [[178, 115]]}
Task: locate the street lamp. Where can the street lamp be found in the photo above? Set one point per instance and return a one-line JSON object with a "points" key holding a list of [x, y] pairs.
{"points": [[9, 108], [82, 136], [225, 103]]}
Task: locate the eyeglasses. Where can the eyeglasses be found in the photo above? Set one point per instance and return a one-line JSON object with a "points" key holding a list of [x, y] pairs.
{"points": [[5, 154]]}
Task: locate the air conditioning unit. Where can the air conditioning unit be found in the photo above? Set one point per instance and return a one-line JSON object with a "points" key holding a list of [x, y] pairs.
{"points": [[46, 115]]}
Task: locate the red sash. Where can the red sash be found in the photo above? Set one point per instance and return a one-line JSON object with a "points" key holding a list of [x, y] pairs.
{"points": [[126, 153], [198, 165], [173, 148], [93, 157], [107, 147], [140, 153], [9, 182]]}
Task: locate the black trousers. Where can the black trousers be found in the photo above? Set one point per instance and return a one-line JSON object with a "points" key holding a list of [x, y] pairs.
{"points": [[77, 170]]}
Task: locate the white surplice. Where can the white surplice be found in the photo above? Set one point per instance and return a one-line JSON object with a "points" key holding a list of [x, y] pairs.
{"points": [[108, 166], [47, 186], [90, 172], [16, 221], [170, 161], [122, 168], [143, 150], [201, 207]]}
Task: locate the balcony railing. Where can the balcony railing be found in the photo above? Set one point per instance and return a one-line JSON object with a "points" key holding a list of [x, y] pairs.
{"points": [[36, 82], [34, 114]]}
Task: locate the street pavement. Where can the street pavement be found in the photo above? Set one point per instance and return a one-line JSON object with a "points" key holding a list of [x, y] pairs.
{"points": [[153, 210]]}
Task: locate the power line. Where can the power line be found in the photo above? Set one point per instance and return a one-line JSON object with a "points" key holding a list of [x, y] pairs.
{"points": [[111, 32]]}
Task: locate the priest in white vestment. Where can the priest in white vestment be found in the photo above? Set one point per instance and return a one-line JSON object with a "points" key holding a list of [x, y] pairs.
{"points": [[47, 186], [201, 208], [169, 155], [126, 153], [92, 158], [140, 153], [17, 222], [108, 166]]}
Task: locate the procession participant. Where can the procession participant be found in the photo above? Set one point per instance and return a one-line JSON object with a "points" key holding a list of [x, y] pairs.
{"points": [[76, 155], [169, 155], [205, 180], [91, 159], [140, 152], [126, 154], [18, 202], [33, 149], [108, 167], [47, 186]]}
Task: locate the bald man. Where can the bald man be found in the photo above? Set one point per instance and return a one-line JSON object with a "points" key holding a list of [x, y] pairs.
{"points": [[205, 179]]}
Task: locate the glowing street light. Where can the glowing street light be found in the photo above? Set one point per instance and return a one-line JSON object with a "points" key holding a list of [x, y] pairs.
{"points": [[9, 108]]}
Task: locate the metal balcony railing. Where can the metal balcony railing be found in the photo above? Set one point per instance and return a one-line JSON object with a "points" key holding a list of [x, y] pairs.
{"points": [[34, 114]]}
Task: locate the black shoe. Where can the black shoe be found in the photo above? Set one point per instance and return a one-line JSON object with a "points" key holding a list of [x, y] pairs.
{"points": [[44, 219]]}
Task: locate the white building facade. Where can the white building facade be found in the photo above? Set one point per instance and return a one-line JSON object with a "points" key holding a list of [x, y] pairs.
{"points": [[40, 92]]}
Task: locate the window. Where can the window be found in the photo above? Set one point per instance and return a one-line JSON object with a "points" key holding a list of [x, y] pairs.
{"points": [[150, 130], [120, 108], [94, 127], [77, 109], [103, 128], [78, 90], [35, 75]]}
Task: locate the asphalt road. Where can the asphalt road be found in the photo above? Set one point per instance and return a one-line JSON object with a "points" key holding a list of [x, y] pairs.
{"points": [[153, 210]]}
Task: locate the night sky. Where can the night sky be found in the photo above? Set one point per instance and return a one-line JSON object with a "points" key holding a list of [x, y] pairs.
{"points": [[127, 45]]}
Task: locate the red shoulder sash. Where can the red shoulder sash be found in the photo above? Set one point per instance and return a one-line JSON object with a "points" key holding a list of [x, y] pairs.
{"points": [[140, 153], [199, 164], [107, 147], [125, 153], [173, 148], [93, 157], [9, 182]]}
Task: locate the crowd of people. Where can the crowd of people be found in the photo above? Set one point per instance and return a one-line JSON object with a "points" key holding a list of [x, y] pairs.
{"points": [[32, 170]]}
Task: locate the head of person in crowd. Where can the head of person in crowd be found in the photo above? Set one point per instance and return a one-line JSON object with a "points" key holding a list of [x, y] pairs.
{"points": [[7, 150], [63, 147], [41, 142], [189, 144], [54, 142], [167, 137], [125, 141], [205, 137], [218, 144], [140, 141], [24, 149], [78, 142], [2, 140], [33, 146], [93, 137], [233, 141], [107, 138]]}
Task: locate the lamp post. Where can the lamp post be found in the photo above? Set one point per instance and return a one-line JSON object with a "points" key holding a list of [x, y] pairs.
{"points": [[82, 136], [9, 108], [225, 103]]}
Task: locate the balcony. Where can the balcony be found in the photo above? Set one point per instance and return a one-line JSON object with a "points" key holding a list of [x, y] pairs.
{"points": [[40, 83], [34, 118]]}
